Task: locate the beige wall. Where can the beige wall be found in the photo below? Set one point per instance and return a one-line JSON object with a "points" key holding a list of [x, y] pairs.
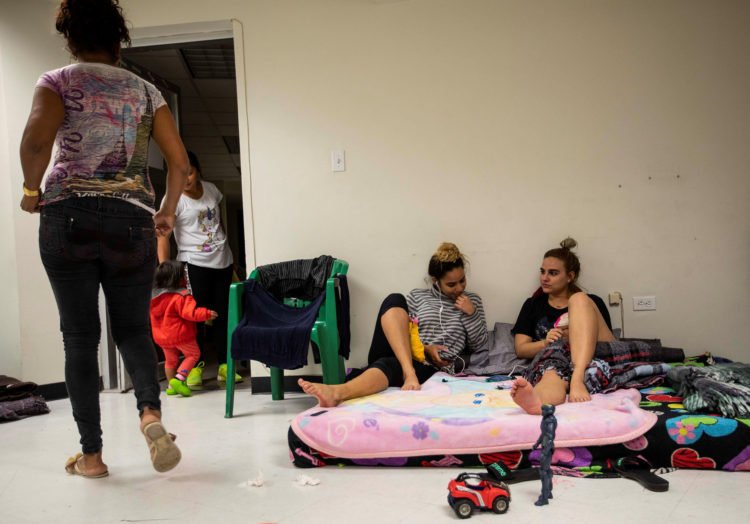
{"points": [[500, 125], [32, 347], [10, 355]]}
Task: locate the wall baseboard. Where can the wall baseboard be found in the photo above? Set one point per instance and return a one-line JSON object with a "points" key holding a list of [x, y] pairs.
{"points": [[54, 391], [57, 390]]}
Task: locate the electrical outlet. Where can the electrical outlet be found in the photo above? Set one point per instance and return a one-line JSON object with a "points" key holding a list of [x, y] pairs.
{"points": [[615, 298], [644, 303]]}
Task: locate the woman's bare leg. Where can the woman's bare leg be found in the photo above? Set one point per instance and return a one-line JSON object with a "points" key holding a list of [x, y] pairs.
{"points": [[395, 323], [371, 381], [586, 328], [549, 390]]}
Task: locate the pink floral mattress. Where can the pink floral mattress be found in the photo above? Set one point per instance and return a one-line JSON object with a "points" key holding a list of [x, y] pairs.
{"points": [[463, 415]]}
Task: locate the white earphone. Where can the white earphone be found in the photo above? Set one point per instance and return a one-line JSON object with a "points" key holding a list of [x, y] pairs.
{"points": [[437, 293]]}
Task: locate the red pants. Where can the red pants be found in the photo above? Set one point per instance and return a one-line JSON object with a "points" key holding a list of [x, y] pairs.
{"points": [[191, 352]]}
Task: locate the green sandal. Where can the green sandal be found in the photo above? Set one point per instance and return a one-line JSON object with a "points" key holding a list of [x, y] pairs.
{"points": [[179, 387], [195, 377]]}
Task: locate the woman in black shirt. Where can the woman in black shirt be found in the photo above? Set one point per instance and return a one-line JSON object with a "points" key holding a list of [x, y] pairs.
{"points": [[559, 329]]}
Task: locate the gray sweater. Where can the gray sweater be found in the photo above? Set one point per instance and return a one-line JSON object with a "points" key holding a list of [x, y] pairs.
{"points": [[442, 323]]}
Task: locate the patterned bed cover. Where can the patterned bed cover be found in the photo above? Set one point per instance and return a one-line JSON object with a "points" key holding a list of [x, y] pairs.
{"points": [[679, 439]]}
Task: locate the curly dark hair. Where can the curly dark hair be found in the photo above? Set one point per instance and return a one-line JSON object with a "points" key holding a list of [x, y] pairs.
{"points": [[92, 25], [194, 162], [168, 275]]}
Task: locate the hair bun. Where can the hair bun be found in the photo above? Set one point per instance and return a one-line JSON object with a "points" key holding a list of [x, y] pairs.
{"points": [[568, 243], [447, 252]]}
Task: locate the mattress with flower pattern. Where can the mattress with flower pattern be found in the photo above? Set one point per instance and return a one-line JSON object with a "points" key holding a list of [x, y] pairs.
{"points": [[465, 423]]}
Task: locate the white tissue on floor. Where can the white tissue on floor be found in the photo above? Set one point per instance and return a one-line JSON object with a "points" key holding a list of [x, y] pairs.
{"points": [[253, 483], [304, 480]]}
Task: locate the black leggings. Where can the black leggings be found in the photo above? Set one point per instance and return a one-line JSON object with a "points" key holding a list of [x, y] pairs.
{"points": [[210, 288], [381, 354]]}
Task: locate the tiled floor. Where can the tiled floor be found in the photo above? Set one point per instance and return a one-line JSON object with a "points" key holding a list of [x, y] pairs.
{"points": [[221, 455]]}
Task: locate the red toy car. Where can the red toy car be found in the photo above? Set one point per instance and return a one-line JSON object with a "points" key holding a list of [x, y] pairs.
{"points": [[477, 490]]}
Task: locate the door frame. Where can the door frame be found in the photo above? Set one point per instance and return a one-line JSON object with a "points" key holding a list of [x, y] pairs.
{"points": [[114, 376]]}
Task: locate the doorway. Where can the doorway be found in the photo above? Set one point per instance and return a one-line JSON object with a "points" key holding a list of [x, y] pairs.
{"points": [[198, 80], [196, 66]]}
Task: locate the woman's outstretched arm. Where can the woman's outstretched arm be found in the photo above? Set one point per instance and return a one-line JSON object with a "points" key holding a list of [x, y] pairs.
{"points": [[163, 248], [178, 166]]}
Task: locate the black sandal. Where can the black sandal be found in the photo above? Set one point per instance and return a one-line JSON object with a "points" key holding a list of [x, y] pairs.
{"points": [[636, 468], [500, 471]]}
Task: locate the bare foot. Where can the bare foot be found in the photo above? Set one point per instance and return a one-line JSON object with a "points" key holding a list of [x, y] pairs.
{"points": [[524, 395], [411, 383], [578, 392], [327, 395]]}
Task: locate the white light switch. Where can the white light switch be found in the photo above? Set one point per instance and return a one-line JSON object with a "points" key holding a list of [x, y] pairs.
{"points": [[338, 160]]}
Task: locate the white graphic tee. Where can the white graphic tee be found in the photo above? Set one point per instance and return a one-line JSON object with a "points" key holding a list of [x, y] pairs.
{"points": [[201, 241]]}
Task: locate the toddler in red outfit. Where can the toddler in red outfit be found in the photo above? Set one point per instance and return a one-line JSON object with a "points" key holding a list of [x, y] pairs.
{"points": [[174, 314]]}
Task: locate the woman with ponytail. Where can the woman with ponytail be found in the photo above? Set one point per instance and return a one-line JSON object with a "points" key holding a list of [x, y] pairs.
{"points": [[417, 335], [558, 329]]}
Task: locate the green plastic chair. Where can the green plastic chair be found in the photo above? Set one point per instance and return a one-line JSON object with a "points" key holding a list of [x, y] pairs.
{"points": [[325, 334]]}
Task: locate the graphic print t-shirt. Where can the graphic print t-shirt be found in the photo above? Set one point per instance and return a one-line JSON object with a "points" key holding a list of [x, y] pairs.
{"points": [[537, 317], [102, 144], [200, 239]]}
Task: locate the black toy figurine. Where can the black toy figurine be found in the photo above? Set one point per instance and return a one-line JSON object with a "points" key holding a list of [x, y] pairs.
{"points": [[547, 442]]}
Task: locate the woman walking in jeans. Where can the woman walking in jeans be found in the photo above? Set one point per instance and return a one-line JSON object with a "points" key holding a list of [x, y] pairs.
{"points": [[98, 225]]}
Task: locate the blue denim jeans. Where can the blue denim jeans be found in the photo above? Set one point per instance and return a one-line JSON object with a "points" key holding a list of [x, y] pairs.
{"points": [[86, 243]]}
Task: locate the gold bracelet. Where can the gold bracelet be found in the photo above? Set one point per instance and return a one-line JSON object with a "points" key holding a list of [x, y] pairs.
{"points": [[30, 192]]}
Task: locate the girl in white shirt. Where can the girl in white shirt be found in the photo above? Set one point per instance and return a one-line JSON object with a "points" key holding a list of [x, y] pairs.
{"points": [[202, 246]]}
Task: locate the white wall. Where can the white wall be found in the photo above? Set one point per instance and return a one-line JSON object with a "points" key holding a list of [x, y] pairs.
{"points": [[10, 353], [32, 345], [502, 126]]}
